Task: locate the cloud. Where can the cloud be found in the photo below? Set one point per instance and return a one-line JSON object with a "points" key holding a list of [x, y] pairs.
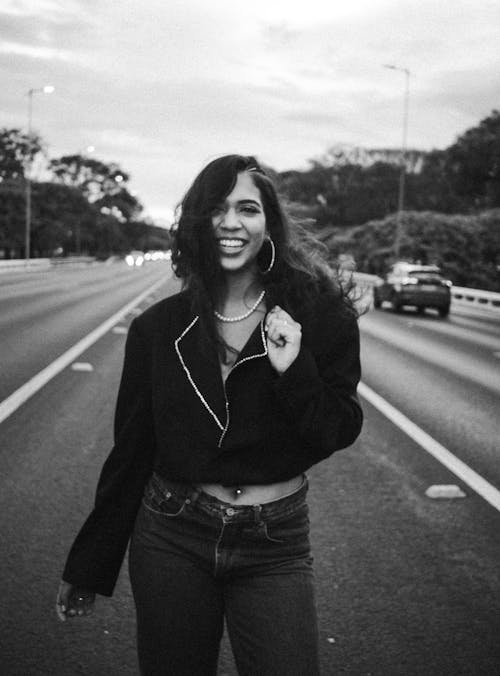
{"points": [[36, 52], [161, 87], [50, 10]]}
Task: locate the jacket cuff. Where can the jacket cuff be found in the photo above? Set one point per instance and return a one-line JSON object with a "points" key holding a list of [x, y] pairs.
{"points": [[300, 381]]}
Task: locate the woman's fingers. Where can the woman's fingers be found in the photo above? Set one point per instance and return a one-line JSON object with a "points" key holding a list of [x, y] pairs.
{"points": [[281, 328], [62, 600], [73, 602]]}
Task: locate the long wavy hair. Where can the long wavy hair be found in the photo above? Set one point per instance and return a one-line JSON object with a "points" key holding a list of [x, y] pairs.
{"points": [[300, 273]]}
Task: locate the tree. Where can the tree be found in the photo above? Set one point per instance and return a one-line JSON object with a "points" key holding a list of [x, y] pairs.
{"points": [[12, 223], [17, 151], [104, 185], [473, 163]]}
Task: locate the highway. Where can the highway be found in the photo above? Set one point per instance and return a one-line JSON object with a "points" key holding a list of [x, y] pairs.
{"points": [[406, 584]]}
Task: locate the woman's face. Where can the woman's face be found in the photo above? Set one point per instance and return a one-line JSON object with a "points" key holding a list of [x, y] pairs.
{"points": [[240, 226]]}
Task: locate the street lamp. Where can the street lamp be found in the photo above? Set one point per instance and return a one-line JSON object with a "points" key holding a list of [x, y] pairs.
{"points": [[48, 89], [402, 175]]}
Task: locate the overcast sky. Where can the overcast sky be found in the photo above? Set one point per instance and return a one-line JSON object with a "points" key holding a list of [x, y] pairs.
{"points": [[163, 86]]}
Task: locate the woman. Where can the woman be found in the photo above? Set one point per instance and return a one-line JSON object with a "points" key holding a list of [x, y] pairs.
{"points": [[230, 391]]}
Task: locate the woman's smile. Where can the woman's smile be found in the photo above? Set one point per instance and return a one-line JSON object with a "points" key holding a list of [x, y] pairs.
{"points": [[231, 246]]}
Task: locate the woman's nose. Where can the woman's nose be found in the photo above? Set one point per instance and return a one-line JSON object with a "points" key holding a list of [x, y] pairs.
{"points": [[230, 219]]}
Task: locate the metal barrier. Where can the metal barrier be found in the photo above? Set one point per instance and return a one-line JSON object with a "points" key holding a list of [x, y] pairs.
{"points": [[484, 299]]}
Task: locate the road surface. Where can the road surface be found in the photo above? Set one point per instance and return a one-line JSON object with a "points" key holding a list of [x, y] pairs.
{"points": [[406, 584]]}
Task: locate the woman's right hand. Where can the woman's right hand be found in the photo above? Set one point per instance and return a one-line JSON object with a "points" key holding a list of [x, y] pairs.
{"points": [[73, 601]]}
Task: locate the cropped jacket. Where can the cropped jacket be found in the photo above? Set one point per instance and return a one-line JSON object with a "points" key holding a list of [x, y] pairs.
{"points": [[175, 416]]}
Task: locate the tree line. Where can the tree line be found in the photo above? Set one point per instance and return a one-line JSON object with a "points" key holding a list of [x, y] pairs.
{"points": [[85, 207], [349, 196]]}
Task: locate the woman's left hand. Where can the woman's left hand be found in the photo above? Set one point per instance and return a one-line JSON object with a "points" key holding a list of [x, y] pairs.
{"points": [[283, 338]]}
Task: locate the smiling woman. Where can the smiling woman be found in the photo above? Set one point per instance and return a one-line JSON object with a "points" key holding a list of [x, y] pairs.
{"points": [[231, 390]]}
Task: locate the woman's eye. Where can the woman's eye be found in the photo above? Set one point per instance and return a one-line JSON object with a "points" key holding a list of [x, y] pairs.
{"points": [[250, 210]]}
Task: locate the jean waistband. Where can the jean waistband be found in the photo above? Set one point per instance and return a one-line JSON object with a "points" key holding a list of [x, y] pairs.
{"points": [[276, 509]]}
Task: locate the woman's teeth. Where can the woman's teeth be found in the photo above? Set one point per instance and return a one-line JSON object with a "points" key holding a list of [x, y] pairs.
{"points": [[231, 243]]}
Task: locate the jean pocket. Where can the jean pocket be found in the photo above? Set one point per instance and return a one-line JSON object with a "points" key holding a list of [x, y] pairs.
{"points": [[265, 531], [291, 529], [164, 503]]}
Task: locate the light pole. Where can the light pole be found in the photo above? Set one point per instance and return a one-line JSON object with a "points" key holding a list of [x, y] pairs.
{"points": [[48, 89], [402, 175]]}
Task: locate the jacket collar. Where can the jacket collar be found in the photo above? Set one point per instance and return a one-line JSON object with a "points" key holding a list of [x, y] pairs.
{"points": [[202, 369]]}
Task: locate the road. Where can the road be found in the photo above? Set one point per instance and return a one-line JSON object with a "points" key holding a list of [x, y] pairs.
{"points": [[406, 585]]}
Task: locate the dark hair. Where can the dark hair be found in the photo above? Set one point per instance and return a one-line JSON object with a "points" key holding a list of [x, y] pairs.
{"points": [[299, 274]]}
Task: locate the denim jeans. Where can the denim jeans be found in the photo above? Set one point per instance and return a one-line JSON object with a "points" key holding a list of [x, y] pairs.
{"points": [[195, 561]]}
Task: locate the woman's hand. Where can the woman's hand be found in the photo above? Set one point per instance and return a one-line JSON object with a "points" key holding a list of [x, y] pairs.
{"points": [[73, 601], [283, 338]]}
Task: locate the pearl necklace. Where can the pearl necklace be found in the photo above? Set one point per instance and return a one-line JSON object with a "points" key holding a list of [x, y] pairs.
{"points": [[222, 318]]}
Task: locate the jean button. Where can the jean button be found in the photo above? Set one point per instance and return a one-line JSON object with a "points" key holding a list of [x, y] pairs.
{"points": [[230, 511]]}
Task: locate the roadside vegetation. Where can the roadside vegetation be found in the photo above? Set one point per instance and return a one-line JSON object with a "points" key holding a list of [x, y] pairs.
{"points": [[348, 198], [83, 207]]}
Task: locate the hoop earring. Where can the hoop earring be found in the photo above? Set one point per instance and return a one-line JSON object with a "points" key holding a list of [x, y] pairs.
{"points": [[273, 257]]}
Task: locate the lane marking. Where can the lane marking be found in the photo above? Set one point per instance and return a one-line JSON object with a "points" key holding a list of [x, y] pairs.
{"points": [[81, 366], [444, 492], [17, 398], [442, 454]]}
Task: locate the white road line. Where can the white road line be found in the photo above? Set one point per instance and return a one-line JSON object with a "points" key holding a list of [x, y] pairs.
{"points": [[445, 457], [17, 398]]}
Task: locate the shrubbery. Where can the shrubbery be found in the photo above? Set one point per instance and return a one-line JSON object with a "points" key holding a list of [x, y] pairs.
{"points": [[466, 247]]}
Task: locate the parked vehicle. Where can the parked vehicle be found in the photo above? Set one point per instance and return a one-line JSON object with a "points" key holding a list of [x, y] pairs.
{"points": [[421, 286]]}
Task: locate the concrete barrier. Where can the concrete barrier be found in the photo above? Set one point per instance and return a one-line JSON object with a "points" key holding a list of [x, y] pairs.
{"points": [[20, 264], [37, 264]]}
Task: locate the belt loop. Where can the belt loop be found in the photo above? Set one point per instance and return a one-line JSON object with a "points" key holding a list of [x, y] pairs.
{"points": [[257, 509]]}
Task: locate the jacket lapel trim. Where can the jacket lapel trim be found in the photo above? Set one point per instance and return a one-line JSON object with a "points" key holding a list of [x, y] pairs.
{"points": [[260, 354], [190, 378], [237, 363]]}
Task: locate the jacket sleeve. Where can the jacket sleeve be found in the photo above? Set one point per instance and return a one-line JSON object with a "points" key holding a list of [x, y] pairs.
{"points": [[96, 556], [318, 393]]}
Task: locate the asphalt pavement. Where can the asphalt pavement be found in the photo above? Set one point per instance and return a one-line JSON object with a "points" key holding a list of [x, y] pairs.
{"points": [[406, 585]]}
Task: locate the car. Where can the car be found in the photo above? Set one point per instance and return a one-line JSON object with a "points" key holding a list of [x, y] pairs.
{"points": [[421, 286], [135, 259]]}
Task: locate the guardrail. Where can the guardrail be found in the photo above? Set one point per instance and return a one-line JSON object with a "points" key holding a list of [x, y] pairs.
{"points": [[489, 300], [486, 299]]}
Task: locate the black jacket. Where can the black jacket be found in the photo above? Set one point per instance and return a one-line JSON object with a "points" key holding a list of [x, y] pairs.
{"points": [[175, 415]]}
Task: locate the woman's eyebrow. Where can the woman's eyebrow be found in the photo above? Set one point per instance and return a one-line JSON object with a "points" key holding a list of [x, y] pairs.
{"points": [[249, 201]]}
